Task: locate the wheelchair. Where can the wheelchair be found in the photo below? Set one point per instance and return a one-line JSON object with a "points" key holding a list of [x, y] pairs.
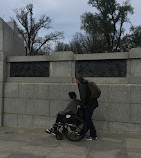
{"points": [[73, 128]]}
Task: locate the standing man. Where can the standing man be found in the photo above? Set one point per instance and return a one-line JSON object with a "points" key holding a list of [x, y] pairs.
{"points": [[89, 103]]}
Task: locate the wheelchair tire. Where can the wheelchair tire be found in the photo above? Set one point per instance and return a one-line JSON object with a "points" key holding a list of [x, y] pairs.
{"points": [[76, 129], [59, 136]]}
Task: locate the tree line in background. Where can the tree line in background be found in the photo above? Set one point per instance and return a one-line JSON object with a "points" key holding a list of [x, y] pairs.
{"points": [[103, 31]]}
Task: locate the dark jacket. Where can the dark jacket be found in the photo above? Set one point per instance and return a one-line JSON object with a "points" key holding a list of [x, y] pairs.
{"points": [[85, 94], [71, 107]]}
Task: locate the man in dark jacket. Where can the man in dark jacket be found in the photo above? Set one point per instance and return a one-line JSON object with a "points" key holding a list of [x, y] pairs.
{"points": [[71, 109], [88, 103]]}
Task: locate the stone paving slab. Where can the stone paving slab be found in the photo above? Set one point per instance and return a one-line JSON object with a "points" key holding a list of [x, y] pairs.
{"points": [[34, 143]]}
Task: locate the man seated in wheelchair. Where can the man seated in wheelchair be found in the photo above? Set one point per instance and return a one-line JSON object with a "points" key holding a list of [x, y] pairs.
{"points": [[71, 109]]}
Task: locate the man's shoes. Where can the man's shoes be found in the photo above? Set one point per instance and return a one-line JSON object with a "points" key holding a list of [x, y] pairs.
{"points": [[50, 131], [90, 138]]}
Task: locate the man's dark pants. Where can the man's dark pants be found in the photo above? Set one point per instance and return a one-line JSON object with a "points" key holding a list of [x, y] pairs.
{"points": [[59, 118], [89, 109]]}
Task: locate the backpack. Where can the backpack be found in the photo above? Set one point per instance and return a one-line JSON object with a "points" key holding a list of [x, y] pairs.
{"points": [[94, 90]]}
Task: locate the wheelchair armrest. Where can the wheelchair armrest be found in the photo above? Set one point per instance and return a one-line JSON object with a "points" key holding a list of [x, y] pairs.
{"points": [[68, 116]]}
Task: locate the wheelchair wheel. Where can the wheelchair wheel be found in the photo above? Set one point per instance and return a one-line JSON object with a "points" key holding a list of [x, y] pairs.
{"points": [[59, 135], [75, 129]]}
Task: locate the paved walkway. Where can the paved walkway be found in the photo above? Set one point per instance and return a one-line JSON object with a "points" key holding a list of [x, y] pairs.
{"points": [[34, 143]]}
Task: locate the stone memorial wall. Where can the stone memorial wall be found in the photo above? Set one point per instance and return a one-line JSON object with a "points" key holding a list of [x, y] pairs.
{"points": [[34, 88]]}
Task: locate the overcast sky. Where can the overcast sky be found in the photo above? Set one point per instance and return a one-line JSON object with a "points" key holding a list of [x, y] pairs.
{"points": [[65, 14]]}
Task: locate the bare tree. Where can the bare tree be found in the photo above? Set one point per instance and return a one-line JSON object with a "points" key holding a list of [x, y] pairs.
{"points": [[29, 29]]}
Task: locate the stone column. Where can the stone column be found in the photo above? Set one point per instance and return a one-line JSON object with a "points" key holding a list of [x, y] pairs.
{"points": [[135, 59], [61, 66], [1, 85], [2, 71], [10, 44]]}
